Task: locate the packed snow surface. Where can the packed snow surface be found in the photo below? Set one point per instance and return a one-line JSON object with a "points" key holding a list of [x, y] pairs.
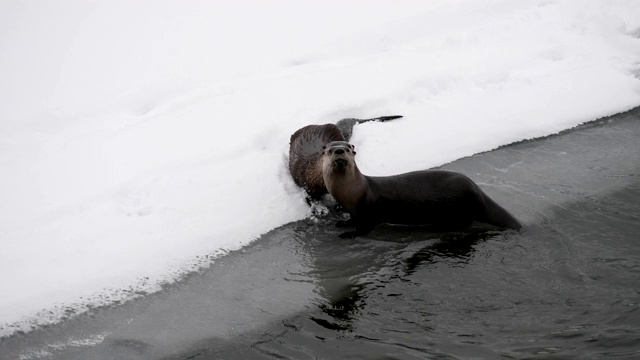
{"points": [[139, 140]]}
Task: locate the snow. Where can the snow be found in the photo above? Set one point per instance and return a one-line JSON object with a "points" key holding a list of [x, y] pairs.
{"points": [[138, 142]]}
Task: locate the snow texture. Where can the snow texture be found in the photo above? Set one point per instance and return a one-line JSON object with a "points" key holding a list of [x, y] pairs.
{"points": [[139, 141]]}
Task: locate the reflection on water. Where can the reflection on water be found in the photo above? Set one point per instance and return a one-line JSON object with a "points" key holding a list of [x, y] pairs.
{"points": [[342, 307], [360, 287], [346, 271], [455, 248]]}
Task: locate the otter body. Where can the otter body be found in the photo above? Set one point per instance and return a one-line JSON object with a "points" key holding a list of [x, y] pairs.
{"points": [[428, 197], [305, 151]]}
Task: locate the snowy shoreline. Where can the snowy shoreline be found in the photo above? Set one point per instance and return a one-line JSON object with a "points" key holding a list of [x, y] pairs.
{"points": [[288, 275], [129, 153]]}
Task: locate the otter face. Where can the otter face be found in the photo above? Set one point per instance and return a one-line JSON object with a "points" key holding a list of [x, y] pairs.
{"points": [[338, 155], [341, 175]]}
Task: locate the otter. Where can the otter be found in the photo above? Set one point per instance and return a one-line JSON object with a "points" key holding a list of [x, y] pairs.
{"points": [[305, 152], [444, 199]]}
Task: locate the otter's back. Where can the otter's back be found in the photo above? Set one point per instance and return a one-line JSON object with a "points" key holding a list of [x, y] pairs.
{"points": [[305, 151], [423, 197]]}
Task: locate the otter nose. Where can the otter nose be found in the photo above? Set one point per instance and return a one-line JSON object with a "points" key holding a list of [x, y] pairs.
{"points": [[339, 151]]}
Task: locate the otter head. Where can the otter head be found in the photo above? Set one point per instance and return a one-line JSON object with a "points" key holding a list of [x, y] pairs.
{"points": [[338, 157], [341, 175]]}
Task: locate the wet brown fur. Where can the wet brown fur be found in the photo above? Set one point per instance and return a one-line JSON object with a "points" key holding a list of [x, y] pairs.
{"points": [[305, 156]]}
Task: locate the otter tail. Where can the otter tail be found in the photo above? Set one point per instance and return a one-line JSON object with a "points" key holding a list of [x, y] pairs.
{"points": [[499, 216], [346, 125], [381, 119]]}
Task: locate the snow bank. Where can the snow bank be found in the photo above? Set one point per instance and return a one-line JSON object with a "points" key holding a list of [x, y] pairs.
{"points": [[138, 142]]}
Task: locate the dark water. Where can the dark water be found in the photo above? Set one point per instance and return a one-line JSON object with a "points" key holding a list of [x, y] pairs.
{"points": [[563, 290], [566, 287]]}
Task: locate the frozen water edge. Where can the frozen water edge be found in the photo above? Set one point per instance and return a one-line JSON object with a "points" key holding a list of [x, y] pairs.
{"points": [[251, 289]]}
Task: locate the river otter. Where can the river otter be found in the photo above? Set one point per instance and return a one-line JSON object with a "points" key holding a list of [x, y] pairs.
{"points": [[441, 198], [305, 152]]}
